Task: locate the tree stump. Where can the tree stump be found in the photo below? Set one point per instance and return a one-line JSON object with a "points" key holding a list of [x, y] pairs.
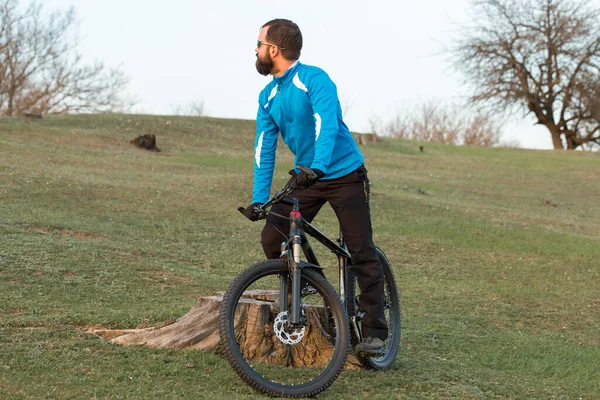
{"points": [[198, 329], [147, 142]]}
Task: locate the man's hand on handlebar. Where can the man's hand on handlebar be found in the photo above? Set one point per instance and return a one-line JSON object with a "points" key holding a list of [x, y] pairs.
{"points": [[252, 212], [307, 177]]}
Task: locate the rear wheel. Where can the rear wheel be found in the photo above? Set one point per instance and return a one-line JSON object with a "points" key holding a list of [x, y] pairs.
{"points": [[393, 318], [261, 346]]}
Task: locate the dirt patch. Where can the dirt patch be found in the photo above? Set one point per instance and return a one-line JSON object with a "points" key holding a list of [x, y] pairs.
{"points": [[87, 235], [63, 232], [12, 311]]}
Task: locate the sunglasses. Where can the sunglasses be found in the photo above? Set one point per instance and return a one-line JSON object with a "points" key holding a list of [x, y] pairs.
{"points": [[259, 42]]}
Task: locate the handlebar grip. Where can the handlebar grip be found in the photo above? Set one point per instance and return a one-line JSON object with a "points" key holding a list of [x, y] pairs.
{"points": [[241, 209]]}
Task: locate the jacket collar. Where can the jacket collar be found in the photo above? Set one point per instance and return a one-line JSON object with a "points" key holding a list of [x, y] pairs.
{"points": [[288, 75]]}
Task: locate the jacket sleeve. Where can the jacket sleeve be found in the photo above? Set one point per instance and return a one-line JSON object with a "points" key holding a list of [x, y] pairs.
{"points": [[265, 147], [325, 104]]}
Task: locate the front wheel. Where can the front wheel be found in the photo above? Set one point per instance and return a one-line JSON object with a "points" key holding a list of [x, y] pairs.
{"points": [[393, 317], [266, 352]]}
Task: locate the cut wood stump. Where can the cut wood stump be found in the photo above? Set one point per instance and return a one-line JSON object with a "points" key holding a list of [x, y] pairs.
{"points": [[198, 329], [147, 142]]}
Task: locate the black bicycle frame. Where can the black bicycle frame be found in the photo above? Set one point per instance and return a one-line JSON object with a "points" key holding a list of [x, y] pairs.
{"points": [[298, 244]]}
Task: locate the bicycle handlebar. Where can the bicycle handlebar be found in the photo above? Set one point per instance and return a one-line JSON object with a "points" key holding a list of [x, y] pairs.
{"points": [[287, 189]]}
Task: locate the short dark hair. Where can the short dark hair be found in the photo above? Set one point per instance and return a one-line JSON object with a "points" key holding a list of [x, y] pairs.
{"points": [[286, 34]]}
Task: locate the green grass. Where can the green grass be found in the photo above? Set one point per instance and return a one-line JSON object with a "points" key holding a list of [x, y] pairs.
{"points": [[497, 262]]}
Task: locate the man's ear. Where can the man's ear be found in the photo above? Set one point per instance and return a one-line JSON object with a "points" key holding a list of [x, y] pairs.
{"points": [[274, 51]]}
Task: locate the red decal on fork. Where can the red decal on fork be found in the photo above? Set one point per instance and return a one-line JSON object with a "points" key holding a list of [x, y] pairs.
{"points": [[295, 215]]}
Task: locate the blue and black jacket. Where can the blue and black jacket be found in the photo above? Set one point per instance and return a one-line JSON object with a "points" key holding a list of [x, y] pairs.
{"points": [[303, 106]]}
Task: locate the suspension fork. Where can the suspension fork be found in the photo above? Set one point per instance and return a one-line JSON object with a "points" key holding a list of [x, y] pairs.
{"points": [[295, 248]]}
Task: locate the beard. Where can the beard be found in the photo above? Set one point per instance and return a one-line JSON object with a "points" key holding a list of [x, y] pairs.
{"points": [[264, 67]]}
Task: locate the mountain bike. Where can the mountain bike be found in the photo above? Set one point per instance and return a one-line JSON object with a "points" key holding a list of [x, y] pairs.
{"points": [[284, 329]]}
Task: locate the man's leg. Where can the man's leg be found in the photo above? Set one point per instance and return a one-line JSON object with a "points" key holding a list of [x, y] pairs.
{"points": [[349, 198]]}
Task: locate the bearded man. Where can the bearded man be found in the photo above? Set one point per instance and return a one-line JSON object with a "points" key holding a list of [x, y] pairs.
{"points": [[301, 104]]}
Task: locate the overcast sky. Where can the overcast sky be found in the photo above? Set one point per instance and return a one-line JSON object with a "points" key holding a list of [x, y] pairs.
{"points": [[382, 55]]}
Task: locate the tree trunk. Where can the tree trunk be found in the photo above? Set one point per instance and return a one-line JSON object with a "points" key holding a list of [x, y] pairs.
{"points": [[572, 140], [198, 329], [557, 142], [555, 132]]}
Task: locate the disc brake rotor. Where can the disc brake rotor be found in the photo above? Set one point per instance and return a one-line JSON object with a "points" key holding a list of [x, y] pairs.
{"points": [[280, 325]]}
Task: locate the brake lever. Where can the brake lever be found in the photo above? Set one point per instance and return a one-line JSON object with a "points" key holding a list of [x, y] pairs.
{"points": [[289, 188]]}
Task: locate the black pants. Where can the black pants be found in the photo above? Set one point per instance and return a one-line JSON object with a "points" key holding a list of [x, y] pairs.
{"points": [[349, 198]]}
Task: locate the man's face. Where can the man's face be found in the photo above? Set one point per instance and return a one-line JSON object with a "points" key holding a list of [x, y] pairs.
{"points": [[264, 62]]}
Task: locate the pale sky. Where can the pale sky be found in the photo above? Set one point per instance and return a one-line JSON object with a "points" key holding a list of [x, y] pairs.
{"points": [[382, 55]]}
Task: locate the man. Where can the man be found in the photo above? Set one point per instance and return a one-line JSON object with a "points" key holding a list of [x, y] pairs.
{"points": [[301, 103]]}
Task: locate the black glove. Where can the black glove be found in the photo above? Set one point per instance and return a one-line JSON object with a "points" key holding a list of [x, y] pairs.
{"points": [[252, 214], [302, 180]]}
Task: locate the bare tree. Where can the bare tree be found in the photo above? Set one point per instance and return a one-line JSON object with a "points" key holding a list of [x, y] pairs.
{"points": [[434, 121], [194, 108], [41, 71], [480, 130], [539, 55]]}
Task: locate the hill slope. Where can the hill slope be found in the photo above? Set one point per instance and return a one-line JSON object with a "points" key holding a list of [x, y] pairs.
{"points": [[496, 252]]}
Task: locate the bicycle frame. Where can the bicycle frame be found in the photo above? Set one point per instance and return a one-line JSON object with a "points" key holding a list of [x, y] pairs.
{"points": [[299, 228]]}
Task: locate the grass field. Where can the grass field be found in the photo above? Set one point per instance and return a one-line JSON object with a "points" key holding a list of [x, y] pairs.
{"points": [[496, 252]]}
